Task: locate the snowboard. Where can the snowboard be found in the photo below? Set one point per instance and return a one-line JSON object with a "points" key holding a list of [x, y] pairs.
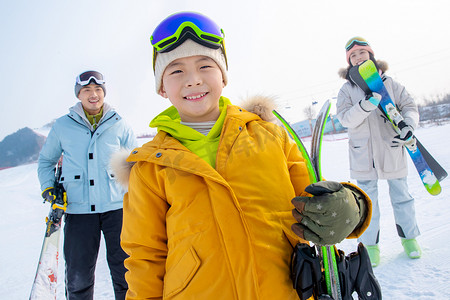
{"points": [[45, 281]]}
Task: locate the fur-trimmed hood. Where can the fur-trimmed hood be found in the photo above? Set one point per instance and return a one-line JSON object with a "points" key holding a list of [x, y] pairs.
{"points": [[258, 104], [261, 106], [382, 65], [120, 167]]}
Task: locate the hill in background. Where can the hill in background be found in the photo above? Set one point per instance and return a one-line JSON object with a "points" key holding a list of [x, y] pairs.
{"points": [[20, 148]]}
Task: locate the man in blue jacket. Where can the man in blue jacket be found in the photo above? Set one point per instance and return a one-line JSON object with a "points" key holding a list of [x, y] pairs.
{"points": [[87, 137]]}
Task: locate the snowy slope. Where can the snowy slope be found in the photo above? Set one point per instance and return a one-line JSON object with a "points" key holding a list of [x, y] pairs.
{"points": [[22, 217], [399, 276]]}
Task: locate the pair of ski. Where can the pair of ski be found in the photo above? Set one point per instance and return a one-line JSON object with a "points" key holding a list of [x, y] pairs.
{"points": [[313, 164], [45, 281], [366, 76], [343, 275]]}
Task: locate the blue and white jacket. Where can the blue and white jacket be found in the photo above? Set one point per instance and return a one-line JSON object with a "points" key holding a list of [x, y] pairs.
{"points": [[86, 173]]}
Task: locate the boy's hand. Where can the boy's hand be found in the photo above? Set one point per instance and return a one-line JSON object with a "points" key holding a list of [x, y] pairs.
{"points": [[329, 216]]}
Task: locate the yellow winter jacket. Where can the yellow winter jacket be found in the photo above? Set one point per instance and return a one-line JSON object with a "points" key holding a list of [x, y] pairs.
{"points": [[195, 232]]}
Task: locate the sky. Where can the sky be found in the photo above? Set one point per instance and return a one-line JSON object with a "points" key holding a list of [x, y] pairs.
{"points": [[22, 228], [288, 49]]}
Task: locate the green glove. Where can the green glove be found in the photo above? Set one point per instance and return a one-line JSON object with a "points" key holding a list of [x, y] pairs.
{"points": [[49, 194], [330, 215]]}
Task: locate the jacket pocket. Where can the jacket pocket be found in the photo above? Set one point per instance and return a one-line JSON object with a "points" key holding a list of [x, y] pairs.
{"points": [[73, 181], [115, 189], [394, 158], [179, 275], [359, 155]]}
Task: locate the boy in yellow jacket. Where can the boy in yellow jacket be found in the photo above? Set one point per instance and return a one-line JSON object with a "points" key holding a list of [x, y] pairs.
{"points": [[208, 212]]}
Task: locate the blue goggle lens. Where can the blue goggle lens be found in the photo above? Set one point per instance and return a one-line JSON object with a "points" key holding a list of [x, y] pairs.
{"points": [[202, 26]]}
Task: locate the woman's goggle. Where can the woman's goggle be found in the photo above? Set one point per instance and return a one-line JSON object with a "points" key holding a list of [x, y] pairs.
{"points": [[86, 77], [354, 42]]}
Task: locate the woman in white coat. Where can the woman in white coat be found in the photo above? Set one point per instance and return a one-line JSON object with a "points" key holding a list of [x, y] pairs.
{"points": [[376, 150]]}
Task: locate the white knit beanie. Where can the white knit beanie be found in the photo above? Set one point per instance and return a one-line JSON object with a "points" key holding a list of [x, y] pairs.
{"points": [[187, 49]]}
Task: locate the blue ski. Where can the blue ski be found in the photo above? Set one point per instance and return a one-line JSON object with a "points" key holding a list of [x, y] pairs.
{"points": [[366, 76]]}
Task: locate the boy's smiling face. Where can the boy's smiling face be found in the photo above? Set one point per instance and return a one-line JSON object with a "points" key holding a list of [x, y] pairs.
{"points": [[193, 85]]}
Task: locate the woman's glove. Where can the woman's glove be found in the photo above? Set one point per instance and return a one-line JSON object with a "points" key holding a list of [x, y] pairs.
{"points": [[370, 102], [406, 132], [330, 215]]}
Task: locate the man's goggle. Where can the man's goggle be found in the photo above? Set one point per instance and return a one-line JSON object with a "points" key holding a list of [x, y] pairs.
{"points": [[175, 29], [86, 77], [356, 41]]}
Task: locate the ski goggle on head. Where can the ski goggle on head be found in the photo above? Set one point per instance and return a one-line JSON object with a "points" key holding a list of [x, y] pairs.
{"points": [[86, 77], [356, 41], [176, 28]]}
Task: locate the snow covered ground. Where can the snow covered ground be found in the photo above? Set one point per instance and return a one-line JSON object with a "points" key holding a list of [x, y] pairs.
{"points": [[22, 229]]}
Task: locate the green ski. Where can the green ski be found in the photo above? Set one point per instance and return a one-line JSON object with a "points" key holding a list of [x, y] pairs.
{"points": [[314, 167]]}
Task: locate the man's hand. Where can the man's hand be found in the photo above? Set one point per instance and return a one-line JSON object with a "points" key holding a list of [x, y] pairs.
{"points": [[329, 216], [48, 194]]}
